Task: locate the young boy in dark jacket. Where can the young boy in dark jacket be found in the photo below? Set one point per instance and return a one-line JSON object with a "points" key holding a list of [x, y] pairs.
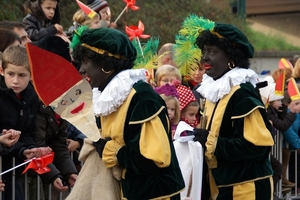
{"points": [[43, 20], [18, 105]]}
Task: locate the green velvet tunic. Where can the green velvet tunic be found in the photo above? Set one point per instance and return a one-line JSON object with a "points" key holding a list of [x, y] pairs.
{"points": [[141, 144], [239, 141]]}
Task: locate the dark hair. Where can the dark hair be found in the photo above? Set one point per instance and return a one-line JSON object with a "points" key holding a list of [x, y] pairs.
{"points": [[11, 25], [104, 60], [7, 38], [232, 50]]}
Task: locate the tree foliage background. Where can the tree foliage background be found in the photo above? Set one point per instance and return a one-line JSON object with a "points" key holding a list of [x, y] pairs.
{"points": [[162, 18]]}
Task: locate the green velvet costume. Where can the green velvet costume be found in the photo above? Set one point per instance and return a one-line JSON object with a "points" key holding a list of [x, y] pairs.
{"points": [[238, 145], [141, 144]]}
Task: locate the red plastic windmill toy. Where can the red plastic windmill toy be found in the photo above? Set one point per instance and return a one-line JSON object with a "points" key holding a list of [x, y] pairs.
{"points": [[129, 4], [136, 32], [39, 165]]}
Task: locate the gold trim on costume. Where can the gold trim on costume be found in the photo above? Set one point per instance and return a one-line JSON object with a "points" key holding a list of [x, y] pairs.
{"points": [[217, 34], [102, 51], [248, 113], [147, 119]]}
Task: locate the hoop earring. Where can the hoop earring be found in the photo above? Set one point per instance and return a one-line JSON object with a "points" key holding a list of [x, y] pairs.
{"points": [[231, 65], [106, 72]]}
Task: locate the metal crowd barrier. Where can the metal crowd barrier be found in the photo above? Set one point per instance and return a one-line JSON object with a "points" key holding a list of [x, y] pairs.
{"points": [[277, 153], [49, 196]]}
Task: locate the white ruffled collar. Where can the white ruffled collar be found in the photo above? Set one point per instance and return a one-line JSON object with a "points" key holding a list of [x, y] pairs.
{"points": [[117, 90], [214, 90]]}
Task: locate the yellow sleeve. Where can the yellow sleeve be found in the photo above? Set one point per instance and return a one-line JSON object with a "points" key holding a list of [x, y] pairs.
{"points": [[255, 130], [154, 143]]}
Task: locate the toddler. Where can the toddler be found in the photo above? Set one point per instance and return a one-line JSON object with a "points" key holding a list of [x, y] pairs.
{"points": [[291, 138], [170, 96], [189, 107]]}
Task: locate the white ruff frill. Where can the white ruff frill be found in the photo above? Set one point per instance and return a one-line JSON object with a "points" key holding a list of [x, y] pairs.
{"points": [[214, 90], [117, 90]]}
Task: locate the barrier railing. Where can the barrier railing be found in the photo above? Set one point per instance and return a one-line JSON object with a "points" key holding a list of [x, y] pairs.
{"points": [[277, 153], [40, 193]]}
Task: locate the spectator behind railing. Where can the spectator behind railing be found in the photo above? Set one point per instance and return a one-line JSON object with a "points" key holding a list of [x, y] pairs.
{"points": [[18, 105]]}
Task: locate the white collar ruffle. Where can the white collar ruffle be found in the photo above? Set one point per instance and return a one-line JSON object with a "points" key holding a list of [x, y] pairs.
{"points": [[214, 90], [117, 90]]}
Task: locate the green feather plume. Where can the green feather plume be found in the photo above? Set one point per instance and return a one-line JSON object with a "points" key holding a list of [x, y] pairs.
{"points": [[148, 58], [186, 54], [76, 36]]}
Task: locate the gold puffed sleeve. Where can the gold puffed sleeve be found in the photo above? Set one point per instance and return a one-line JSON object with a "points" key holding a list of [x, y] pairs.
{"points": [[154, 143]]}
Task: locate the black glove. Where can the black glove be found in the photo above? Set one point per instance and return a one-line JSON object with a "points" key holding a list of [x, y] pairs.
{"points": [[100, 144], [200, 136]]}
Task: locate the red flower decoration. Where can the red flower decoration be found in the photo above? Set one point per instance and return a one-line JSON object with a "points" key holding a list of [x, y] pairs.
{"points": [[131, 4], [136, 31]]}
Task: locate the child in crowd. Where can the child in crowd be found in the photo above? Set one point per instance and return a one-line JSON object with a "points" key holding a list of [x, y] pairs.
{"points": [[195, 79], [19, 104], [44, 19], [189, 107], [291, 138], [51, 130], [281, 121], [82, 22], [166, 74], [170, 96], [101, 7]]}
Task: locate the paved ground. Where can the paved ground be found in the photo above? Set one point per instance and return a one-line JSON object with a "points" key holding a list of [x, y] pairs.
{"points": [[285, 25]]}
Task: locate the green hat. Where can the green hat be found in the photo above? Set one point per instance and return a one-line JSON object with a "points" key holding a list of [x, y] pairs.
{"points": [[232, 33], [109, 40]]}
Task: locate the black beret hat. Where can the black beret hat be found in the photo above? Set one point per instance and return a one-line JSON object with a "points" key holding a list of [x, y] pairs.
{"points": [[55, 44], [109, 40], [232, 33]]}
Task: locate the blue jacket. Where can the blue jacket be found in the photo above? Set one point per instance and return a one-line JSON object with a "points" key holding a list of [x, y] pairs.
{"points": [[291, 134]]}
